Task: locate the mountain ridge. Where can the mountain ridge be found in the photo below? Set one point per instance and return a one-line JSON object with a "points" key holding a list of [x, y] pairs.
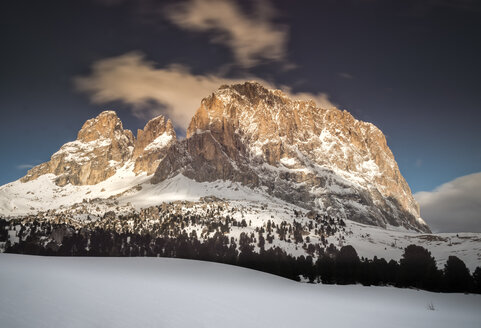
{"points": [[320, 159], [102, 147]]}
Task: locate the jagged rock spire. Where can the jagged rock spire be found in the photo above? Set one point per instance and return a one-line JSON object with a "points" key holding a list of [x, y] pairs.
{"points": [[152, 143]]}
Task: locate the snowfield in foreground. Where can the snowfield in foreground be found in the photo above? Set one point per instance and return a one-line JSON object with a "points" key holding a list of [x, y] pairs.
{"points": [[160, 292]]}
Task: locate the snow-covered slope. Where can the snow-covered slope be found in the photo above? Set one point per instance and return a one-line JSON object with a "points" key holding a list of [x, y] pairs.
{"points": [[126, 193], [42, 194], [129, 189], [160, 292]]}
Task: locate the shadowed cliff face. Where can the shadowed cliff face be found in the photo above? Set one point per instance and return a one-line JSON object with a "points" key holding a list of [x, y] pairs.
{"points": [[313, 157], [102, 147]]}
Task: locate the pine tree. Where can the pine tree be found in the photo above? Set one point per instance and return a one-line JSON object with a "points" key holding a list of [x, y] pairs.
{"points": [[347, 265], [457, 277], [418, 269]]}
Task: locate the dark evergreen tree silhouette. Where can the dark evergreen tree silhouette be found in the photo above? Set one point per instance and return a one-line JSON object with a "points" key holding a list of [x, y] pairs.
{"points": [[347, 266], [418, 269], [456, 276]]}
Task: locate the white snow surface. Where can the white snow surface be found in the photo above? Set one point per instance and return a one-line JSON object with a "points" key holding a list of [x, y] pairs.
{"points": [[42, 194], [159, 142], [160, 292], [78, 151], [183, 188], [370, 241]]}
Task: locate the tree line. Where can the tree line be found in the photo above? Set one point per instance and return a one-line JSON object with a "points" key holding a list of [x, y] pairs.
{"points": [[416, 269]]}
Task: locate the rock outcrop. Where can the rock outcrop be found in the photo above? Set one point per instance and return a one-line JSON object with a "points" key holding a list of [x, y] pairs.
{"points": [[152, 143], [102, 147], [314, 157], [202, 158]]}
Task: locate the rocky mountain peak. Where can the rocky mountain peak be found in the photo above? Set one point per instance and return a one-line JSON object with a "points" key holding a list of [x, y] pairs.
{"points": [[152, 143], [313, 157], [102, 146], [106, 125], [153, 129]]}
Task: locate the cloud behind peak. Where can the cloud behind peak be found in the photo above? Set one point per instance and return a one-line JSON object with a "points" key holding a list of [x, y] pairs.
{"points": [[173, 91]]}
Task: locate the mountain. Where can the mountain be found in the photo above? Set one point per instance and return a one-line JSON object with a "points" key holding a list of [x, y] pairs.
{"points": [[256, 171], [316, 158]]}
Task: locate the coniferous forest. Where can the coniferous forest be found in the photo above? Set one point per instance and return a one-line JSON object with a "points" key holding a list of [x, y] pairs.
{"points": [[416, 269]]}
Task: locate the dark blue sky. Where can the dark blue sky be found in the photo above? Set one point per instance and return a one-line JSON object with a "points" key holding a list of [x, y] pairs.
{"points": [[410, 67]]}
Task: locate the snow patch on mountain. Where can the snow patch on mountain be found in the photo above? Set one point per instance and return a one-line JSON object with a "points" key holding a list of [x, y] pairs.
{"points": [[160, 142], [79, 151]]}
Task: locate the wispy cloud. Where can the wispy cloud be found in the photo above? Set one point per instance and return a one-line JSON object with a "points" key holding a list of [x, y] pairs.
{"points": [[25, 166], [173, 90], [251, 37], [454, 206]]}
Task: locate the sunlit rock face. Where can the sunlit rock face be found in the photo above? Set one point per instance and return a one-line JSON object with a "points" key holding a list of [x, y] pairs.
{"points": [[152, 143], [103, 146], [320, 158]]}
